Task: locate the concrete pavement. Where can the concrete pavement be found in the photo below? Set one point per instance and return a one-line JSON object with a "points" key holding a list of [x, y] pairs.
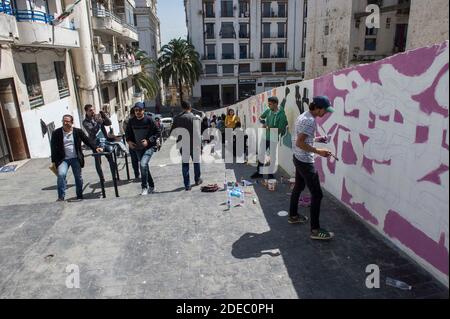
{"points": [[177, 244]]}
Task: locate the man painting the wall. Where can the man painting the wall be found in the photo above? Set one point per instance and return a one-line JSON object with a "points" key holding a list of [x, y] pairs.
{"points": [[305, 172], [273, 117]]}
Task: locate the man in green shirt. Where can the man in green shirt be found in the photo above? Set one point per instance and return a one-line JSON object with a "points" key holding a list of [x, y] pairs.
{"points": [[273, 117]]}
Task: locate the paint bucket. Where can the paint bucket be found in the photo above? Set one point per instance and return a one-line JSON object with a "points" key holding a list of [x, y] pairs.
{"points": [[271, 185]]}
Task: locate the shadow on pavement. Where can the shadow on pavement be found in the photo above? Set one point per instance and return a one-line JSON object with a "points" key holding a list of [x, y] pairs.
{"points": [[335, 269]]}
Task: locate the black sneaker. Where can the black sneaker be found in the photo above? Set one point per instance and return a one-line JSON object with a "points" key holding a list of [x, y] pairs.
{"points": [[187, 189], [256, 175], [199, 182], [322, 234], [298, 219]]}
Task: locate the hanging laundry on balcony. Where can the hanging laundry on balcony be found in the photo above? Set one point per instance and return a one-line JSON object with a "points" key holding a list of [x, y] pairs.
{"points": [[66, 13]]}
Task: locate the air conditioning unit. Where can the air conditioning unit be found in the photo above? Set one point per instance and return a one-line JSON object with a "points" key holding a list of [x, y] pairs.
{"points": [[99, 45]]}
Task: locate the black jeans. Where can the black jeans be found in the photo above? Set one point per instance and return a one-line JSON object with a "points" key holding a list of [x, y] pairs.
{"points": [[98, 165], [272, 155], [306, 175], [134, 163]]}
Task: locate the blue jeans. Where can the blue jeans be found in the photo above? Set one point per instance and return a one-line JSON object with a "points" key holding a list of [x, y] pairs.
{"points": [[63, 168], [144, 157], [185, 170]]}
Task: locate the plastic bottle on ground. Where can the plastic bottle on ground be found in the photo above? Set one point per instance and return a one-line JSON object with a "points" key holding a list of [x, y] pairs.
{"points": [[397, 284]]}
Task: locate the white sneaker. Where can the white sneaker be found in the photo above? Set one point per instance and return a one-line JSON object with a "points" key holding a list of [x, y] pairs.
{"points": [[144, 191]]}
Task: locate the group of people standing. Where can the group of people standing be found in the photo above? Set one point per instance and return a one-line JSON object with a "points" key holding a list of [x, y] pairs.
{"points": [[143, 135], [304, 151]]}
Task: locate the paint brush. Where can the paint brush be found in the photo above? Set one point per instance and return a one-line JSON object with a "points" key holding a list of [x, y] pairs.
{"points": [[334, 156]]}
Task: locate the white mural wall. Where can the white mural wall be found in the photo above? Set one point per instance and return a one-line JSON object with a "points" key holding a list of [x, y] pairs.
{"points": [[390, 131]]}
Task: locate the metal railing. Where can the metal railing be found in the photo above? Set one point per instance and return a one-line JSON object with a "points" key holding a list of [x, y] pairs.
{"points": [[227, 56], [31, 15], [112, 67], [274, 56], [5, 7], [102, 13], [63, 92], [209, 57], [227, 34], [129, 26], [274, 35], [36, 101], [26, 15]]}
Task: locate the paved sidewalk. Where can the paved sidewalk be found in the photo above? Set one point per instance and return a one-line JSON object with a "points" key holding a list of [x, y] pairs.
{"points": [[177, 244]]}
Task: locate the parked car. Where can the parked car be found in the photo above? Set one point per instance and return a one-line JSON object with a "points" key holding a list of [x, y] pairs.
{"points": [[167, 122]]}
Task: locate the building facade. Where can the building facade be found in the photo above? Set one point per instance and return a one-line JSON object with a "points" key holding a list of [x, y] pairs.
{"points": [[246, 46], [149, 30], [36, 76], [338, 36], [428, 23], [105, 62]]}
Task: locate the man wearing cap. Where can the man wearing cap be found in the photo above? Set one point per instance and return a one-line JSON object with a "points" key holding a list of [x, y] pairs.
{"points": [[305, 172], [142, 134], [273, 117]]}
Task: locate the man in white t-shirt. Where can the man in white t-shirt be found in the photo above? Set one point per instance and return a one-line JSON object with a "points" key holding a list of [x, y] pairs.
{"points": [[305, 172]]}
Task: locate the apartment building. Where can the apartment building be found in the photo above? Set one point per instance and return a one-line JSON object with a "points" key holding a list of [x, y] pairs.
{"points": [[246, 46], [36, 76], [105, 62], [149, 30], [338, 36], [428, 23]]}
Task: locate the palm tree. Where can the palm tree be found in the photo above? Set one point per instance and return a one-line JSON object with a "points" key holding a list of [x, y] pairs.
{"points": [[179, 64], [145, 80]]}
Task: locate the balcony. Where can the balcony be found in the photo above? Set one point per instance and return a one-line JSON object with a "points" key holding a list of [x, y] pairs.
{"points": [[38, 34], [245, 56], [274, 36], [244, 35], [8, 24], [274, 57], [274, 15], [228, 35], [209, 36], [130, 32], [35, 28], [228, 56], [107, 22], [133, 69], [113, 72], [208, 57]]}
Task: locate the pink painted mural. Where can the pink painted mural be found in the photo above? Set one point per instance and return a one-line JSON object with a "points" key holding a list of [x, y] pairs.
{"points": [[390, 130], [392, 119]]}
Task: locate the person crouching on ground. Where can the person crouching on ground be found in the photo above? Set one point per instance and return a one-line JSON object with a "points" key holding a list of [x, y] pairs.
{"points": [[66, 152]]}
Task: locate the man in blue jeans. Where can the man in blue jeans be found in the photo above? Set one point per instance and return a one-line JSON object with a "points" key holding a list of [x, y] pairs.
{"points": [[66, 152], [142, 135], [191, 124], [305, 172]]}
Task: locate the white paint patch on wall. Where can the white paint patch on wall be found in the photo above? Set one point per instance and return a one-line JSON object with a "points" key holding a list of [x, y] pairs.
{"points": [[39, 145]]}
